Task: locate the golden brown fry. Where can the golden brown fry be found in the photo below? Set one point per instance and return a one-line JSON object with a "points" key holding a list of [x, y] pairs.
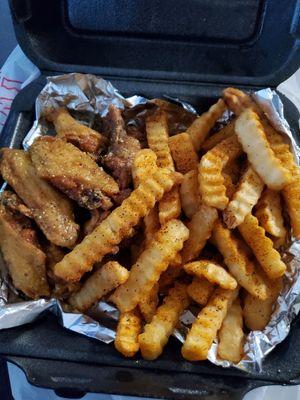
{"points": [[189, 194], [156, 334], [229, 185], [211, 180], [209, 320], [51, 210], [148, 303], [253, 139], [200, 290], [73, 172], [144, 165], [183, 153], [244, 199], [169, 206], [291, 195], [231, 335], [212, 271], [128, 330], [200, 128], [22, 254], [262, 246], [237, 261], [151, 263], [152, 225], [200, 228], [218, 137], [115, 227], [101, 282], [257, 313], [72, 131], [269, 214]]}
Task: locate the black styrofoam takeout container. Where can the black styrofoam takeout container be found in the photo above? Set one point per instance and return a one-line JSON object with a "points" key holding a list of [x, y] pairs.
{"points": [[190, 49]]}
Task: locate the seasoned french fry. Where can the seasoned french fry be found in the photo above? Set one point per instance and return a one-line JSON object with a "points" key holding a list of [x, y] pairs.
{"points": [[152, 262], [189, 194], [244, 199], [229, 185], [148, 303], [156, 334], [183, 152], [211, 180], [262, 247], [152, 225], [291, 195], [253, 139], [231, 335], [101, 282], [128, 330], [209, 320], [237, 261], [115, 227], [257, 313], [168, 277], [200, 290], [218, 137], [212, 271], [269, 214], [200, 228], [200, 128], [144, 165], [169, 206]]}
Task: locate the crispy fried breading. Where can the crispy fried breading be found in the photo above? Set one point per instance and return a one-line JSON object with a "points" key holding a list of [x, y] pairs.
{"points": [[211, 180], [73, 172], [231, 335], [51, 210], [200, 290], [200, 128], [238, 262], [262, 246], [156, 334], [151, 263], [209, 320], [101, 282], [213, 272], [218, 137], [115, 227], [244, 199], [128, 330], [183, 152], [148, 303], [189, 194]]}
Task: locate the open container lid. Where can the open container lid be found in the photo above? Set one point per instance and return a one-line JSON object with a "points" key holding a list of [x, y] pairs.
{"points": [[241, 42]]}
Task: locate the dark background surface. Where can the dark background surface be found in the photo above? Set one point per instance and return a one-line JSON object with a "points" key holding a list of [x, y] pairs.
{"points": [[7, 36]]}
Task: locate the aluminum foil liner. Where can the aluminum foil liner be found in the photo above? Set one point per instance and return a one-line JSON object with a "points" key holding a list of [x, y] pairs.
{"points": [[92, 95]]}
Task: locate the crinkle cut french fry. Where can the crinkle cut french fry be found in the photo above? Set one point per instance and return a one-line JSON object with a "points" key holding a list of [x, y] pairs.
{"points": [[200, 128], [101, 282], [269, 214], [115, 227], [211, 180], [148, 303], [183, 153], [291, 195], [128, 330], [189, 194], [262, 247], [237, 261], [200, 228], [200, 290], [152, 225], [212, 271], [229, 185], [244, 199], [257, 313], [169, 206], [218, 137], [253, 139], [209, 320], [151, 263], [144, 165], [231, 335], [156, 334]]}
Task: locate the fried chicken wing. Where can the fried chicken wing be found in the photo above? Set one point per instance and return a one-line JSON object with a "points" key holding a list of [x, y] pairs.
{"points": [[122, 149], [73, 172], [72, 131], [51, 210], [22, 254]]}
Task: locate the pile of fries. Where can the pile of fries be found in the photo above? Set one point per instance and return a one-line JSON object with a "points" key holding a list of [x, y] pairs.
{"points": [[204, 223]]}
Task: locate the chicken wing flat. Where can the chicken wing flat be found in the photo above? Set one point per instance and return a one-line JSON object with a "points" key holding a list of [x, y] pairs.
{"points": [[73, 172], [51, 210], [22, 254], [122, 149], [72, 131]]}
